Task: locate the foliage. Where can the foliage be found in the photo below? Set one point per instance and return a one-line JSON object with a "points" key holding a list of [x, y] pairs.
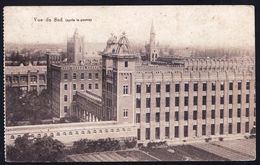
{"points": [[87, 146], [156, 144], [27, 107], [35, 149], [130, 143]]}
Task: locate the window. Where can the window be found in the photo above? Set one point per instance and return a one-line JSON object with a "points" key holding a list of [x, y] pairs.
{"points": [[167, 132], [239, 99], [221, 113], [186, 101], [125, 113], [213, 114], [230, 113], [90, 76], [158, 88], [195, 100], [177, 87], [195, 87], [247, 98], [238, 112], [167, 101], [230, 128], [176, 117], [147, 133], [230, 100], [148, 102], [176, 131], [65, 87], [231, 86], [157, 117], [82, 86], [186, 115], [204, 114], [82, 76], [247, 127], [74, 86], [176, 101], [96, 75], [195, 128], [65, 98], [195, 115], [138, 134], [157, 133], [125, 89], [203, 130], [185, 131], [65, 76], [167, 116], [239, 86], [138, 88], [89, 86], [212, 129], [204, 86], [186, 87], [213, 87], [222, 100], [148, 88], [65, 109], [213, 100], [147, 120], [221, 129], [138, 118], [222, 87], [74, 76], [167, 88], [247, 112], [247, 85], [96, 86], [204, 100], [138, 103], [238, 127], [126, 64]]}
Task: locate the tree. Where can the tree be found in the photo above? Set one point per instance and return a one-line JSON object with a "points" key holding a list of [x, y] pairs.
{"points": [[35, 149]]}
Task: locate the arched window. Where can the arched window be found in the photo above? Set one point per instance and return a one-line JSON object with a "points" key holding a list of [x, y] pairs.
{"points": [[64, 133], [12, 136], [51, 135], [70, 133], [57, 134]]}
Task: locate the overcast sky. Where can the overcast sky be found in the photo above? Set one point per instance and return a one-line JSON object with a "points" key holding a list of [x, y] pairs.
{"points": [[174, 25]]}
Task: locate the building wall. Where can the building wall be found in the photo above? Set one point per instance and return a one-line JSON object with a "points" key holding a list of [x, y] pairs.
{"points": [[26, 78], [194, 77], [90, 82], [70, 132]]}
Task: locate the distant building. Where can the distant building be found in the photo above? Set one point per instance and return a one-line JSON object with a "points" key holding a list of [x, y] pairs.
{"points": [[26, 78], [152, 50], [75, 48]]}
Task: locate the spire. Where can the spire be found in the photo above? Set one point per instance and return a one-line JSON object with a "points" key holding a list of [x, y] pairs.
{"points": [[76, 33], [152, 29]]}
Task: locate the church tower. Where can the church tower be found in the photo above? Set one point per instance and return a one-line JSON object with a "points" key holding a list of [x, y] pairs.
{"points": [[118, 72], [75, 48], [153, 52]]}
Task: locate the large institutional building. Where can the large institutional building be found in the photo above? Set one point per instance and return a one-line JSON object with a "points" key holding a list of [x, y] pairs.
{"points": [[177, 100]]}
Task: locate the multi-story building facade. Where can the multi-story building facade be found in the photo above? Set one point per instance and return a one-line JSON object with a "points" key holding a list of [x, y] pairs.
{"points": [[175, 100], [199, 99], [26, 78]]}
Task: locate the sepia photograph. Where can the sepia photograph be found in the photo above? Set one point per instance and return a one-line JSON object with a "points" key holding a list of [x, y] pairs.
{"points": [[129, 83]]}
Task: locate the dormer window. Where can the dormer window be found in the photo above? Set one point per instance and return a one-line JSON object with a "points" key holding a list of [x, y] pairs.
{"points": [[126, 64]]}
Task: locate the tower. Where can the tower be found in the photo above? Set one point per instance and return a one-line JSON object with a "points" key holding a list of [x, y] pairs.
{"points": [[153, 52], [118, 69], [75, 48]]}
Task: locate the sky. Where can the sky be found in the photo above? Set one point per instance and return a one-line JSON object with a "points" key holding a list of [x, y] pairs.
{"points": [[217, 26]]}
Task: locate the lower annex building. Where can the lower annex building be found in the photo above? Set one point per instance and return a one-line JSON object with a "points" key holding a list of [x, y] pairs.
{"points": [[191, 99]]}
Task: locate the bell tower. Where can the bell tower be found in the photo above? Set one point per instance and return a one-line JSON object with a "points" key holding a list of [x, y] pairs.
{"points": [[153, 52]]}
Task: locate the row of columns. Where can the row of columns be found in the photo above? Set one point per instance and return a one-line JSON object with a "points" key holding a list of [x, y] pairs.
{"points": [[89, 117]]}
